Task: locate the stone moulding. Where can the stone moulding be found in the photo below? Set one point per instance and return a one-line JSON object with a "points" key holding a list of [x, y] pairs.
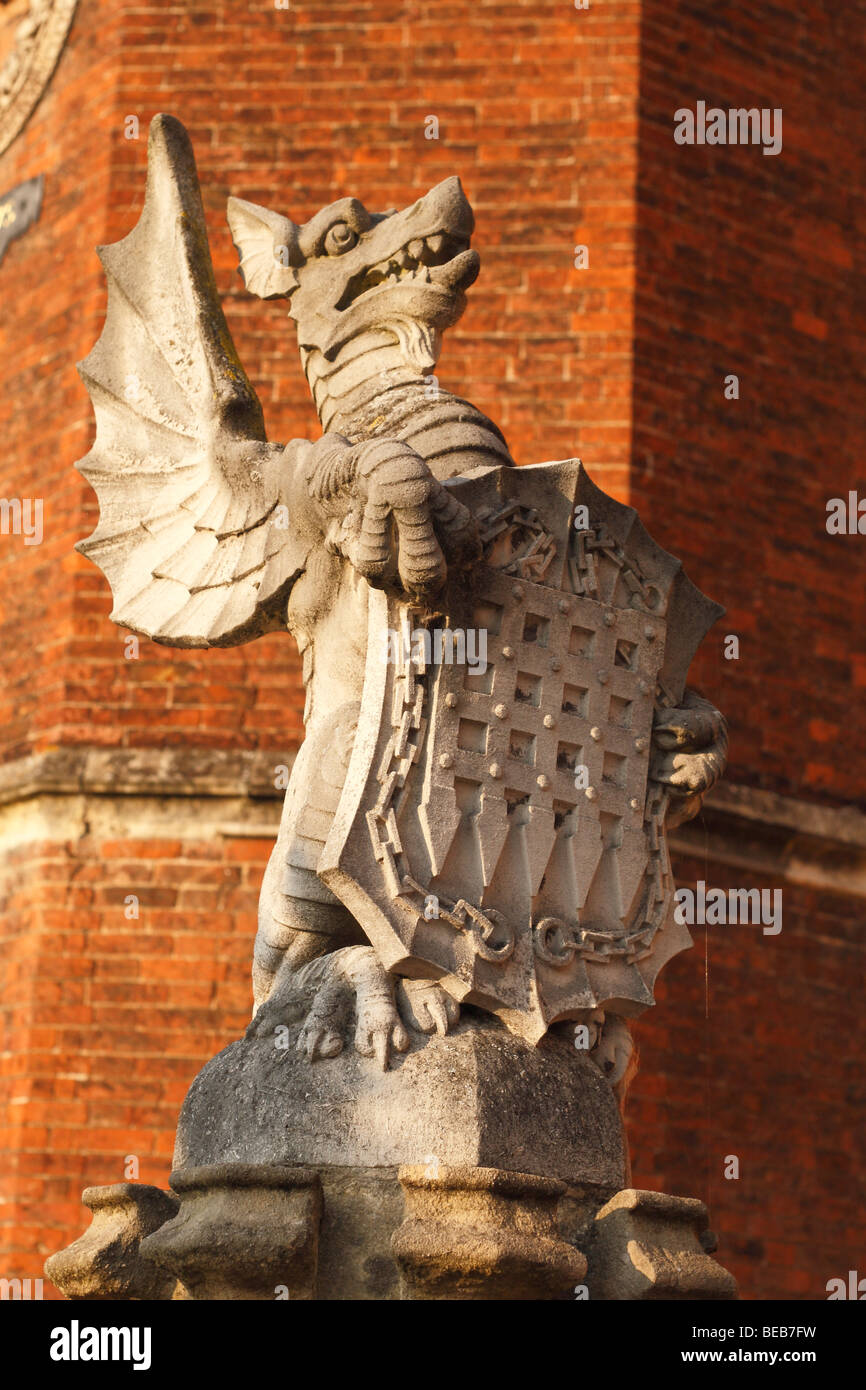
{"points": [[243, 1232], [30, 65], [181, 772], [229, 772], [648, 1246], [481, 1233], [105, 1262], [802, 841]]}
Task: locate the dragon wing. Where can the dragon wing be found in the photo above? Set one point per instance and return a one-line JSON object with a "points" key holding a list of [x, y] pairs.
{"points": [[193, 535]]}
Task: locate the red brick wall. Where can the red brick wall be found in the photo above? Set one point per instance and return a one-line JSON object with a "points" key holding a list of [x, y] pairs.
{"points": [[755, 1051], [559, 123], [291, 108], [52, 306], [328, 100], [105, 1020], [752, 264]]}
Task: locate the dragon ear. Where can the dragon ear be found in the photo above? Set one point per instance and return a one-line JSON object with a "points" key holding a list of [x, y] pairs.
{"points": [[267, 244]]}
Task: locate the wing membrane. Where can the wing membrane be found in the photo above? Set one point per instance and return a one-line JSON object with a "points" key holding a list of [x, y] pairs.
{"points": [[192, 535]]}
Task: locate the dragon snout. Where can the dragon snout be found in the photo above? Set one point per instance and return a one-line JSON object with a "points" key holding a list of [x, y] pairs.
{"points": [[449, 205]]}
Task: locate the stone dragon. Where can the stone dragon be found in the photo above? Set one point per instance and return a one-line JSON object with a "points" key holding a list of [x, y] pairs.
{"points": [[210, 535]]}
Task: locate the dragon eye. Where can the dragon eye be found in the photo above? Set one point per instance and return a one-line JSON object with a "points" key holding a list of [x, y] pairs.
{"points": [[340, 238]]}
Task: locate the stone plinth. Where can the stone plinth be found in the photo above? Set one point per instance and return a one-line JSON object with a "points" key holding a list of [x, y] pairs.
{"points": [[477, 1166], [478, 1097]]}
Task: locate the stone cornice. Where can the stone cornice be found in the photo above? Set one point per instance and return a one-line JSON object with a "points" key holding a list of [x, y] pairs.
{"points": [[230, 772], [143, 772], [840, 824], [780, 836]]}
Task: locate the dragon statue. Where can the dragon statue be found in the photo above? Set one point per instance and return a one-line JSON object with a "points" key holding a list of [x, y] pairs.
{"points": [[438, 848]]}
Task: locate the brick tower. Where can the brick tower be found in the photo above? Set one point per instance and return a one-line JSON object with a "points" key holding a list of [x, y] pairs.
{"points": [[684, 317]]}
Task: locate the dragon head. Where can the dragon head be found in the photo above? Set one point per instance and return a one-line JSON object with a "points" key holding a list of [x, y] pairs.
{"points": [[348, 271]]}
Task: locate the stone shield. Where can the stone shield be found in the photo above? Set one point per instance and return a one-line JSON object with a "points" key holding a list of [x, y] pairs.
{"points": [[498, 829]]}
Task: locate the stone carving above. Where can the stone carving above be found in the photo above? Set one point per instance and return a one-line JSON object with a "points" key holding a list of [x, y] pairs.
{"points": [[32, 35], [454, 833]]}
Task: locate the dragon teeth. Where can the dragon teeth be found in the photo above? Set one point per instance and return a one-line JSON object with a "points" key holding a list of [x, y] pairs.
{"points": [[409, 263]]}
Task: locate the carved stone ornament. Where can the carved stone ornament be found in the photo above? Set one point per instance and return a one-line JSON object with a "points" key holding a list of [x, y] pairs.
{"points": [[32, 35], [470, 892], [550, 898]]}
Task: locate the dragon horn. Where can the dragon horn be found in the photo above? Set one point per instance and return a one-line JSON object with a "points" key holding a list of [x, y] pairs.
{"points": [[267, 244]]}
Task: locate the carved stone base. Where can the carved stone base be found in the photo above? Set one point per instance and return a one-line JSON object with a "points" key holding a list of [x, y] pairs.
{"points": [[648, 1245], [106, 1263], [479, 1096], [481, 1233], [242, 1232], [476, 1167]]}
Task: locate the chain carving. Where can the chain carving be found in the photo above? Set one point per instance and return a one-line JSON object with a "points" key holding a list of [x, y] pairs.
{"points": [[493, 938], [516, 525]]}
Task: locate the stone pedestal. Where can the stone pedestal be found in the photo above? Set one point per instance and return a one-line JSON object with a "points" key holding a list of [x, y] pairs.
{"points": [[473, 1168], [479, 1097], [439, 1178]]}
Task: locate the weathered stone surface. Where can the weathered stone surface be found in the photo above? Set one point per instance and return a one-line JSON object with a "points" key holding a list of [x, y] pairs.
{"points": [[480, 1233], [106, 1262], [362, 1209], [242, 1232], [479, 1096], [427, 1231], [648, 1245], [179, 772]]}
